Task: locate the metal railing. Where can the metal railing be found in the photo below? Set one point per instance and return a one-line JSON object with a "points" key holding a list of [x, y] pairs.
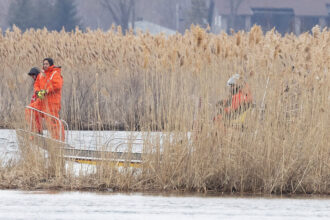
{"points": [[124, 141], [60, 121]]}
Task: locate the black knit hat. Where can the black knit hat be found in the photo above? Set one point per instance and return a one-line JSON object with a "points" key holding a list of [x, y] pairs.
{"points": [[34, 71], [50, 61]]}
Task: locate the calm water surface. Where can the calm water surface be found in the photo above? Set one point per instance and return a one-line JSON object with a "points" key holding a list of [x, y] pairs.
{"points": [[76, 205]]}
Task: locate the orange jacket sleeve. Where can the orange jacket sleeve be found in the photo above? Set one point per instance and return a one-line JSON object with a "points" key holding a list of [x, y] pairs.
{"points": [[55, 83], [37, 86]]}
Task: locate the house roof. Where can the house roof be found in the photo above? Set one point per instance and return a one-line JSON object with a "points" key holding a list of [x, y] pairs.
{"points": [[300, 7]]}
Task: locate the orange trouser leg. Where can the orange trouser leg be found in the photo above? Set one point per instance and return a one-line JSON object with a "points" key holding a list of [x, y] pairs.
{"points": [[33, 118], [54, 126]]}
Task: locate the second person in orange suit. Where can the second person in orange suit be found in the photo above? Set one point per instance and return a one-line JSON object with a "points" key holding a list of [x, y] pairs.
{"points": [[33, 117]]}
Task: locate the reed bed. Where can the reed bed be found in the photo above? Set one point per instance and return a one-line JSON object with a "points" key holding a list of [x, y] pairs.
{"points": [[172, 84]]}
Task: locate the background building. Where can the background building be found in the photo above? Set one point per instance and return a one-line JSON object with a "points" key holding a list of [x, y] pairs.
{"points": [[295, 16]]}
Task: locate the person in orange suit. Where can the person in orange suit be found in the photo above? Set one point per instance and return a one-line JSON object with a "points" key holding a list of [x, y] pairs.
{"points": [[33, 117], [49, 90], [241, 97], [239, 101]]}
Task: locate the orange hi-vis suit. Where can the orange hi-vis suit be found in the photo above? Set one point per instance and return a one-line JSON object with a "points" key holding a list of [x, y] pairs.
{"points": [[239, 102], [52, 82], [242, 98]]}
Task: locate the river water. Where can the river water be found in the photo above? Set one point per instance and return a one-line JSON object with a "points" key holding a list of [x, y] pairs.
{"points": [[83, 205]]}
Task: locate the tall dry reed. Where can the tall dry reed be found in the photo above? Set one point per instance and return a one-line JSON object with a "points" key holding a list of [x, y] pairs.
{"points": [[172, 84]]}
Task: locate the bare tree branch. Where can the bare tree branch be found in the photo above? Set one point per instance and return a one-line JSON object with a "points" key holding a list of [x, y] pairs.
{"points": [[107, 4], [120, 10]]}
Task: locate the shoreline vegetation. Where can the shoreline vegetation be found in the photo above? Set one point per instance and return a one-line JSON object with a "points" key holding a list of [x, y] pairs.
{"points": [[140, 82]]}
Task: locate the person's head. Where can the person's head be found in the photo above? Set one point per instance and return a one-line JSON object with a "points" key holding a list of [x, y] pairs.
{"points": [[235, 83], [47, 62], [34, 72]]}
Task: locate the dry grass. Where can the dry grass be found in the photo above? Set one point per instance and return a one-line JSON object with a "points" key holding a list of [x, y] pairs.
{"points": [[144, 82]]}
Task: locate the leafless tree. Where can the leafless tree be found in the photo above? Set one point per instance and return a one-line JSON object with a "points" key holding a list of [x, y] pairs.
{"points": [[122, 11]]}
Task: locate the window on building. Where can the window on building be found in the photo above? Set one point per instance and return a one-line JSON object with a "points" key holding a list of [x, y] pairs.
{"points": [[268, 18]]}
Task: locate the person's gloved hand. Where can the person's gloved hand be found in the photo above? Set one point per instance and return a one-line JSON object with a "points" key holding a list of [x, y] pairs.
{"points": [[41, 94]]}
